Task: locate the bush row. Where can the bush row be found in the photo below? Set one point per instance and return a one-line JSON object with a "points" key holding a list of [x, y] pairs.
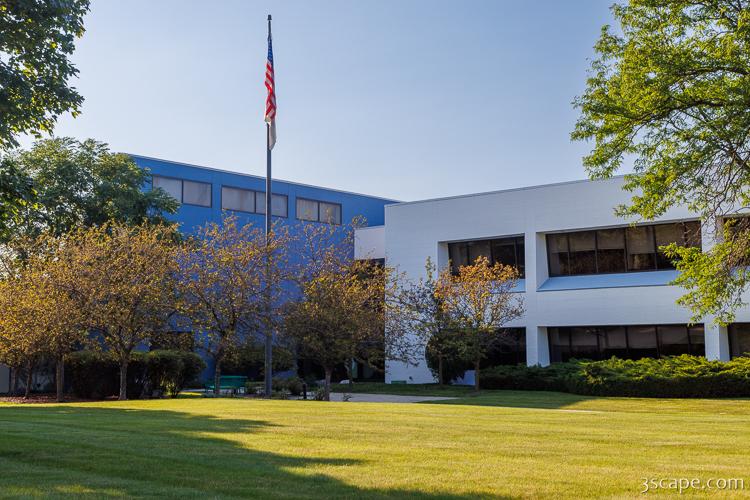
{"points": [[96, 375], [679, 377]]}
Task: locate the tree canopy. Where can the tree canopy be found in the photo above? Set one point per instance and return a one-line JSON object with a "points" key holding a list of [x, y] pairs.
{"points": [[80, 184], [670, 90], [37, 39]]}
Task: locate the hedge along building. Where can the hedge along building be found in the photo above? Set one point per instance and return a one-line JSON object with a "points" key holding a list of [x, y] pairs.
{"points": [[207, 194], [594, 285]]}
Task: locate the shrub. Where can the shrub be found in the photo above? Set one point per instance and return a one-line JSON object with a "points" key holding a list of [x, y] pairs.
{"points": [[95, 375], [92, 375], [679, 376], [291, 384]]}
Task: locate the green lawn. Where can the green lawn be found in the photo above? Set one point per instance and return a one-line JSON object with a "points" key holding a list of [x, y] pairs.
{"points": [[495, 444]]}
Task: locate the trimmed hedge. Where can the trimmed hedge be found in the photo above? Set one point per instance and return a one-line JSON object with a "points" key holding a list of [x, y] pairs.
{"points": [[95, 375], [671, 377]]}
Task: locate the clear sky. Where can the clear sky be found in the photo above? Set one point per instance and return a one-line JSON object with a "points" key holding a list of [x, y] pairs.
{"points": [[403, 99]]}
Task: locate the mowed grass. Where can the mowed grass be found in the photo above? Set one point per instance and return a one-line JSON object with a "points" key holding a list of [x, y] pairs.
{"points": [[496, 444]]}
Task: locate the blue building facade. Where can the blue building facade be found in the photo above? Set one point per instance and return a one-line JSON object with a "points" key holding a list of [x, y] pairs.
{"points": [[206, 193]]}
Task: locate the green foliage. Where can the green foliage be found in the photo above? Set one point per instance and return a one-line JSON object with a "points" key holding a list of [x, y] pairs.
{"points": [[671, 90], [37, 38], [678, 377], [170, 371], [82, 184], [292, 384], [448, 347], [92, 374], [95, 375], [249, 359], [16, 193]]}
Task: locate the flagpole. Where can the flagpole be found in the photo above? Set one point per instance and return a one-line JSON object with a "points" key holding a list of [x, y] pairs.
{"points": [[269, 328]]}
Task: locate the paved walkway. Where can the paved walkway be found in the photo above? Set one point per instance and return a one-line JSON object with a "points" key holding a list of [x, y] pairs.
{"points": [[385, 398]]}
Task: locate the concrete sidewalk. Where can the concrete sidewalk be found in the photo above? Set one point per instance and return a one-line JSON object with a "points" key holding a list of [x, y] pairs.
{"points": [[385, 398]]}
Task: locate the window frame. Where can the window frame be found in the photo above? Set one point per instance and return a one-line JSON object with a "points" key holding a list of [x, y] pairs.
{"points": [[318, 202], [491, 241], [255, 201], [210, 193], [596, 230], [601, 329]]}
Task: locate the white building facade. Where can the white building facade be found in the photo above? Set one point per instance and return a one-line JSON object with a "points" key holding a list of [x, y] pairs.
{"points": [[594, 285]]}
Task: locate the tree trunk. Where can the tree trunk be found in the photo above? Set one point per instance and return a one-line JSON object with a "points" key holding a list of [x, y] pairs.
{"points": [[441, 378], [29, 377], [350, 373], [60, 378], [124, 379], [14, 381], [477, 362], [217, 377], [327, 386]]}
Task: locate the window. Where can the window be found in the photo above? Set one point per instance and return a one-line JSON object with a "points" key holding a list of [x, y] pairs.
{"points": [[318, 211], [641, 251], [241, 200], [196, 193], [618, 250], [506, 251], [173, 187], [739, 339], [279, 204], [186, 192], [610, 252], [626, 342], [510, 348], [582, 254], [247, 200]]}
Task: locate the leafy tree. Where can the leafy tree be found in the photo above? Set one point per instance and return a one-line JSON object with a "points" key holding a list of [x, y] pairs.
{"points": [[671, 90], [83, 184], [16, 193], [123, 279], [337, 318], [37, 38], [228, 279], [416, 308], [479, 301]]}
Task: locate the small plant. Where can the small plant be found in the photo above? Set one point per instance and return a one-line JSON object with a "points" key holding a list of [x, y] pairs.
{"points": [[346, 397], [320, 394]]}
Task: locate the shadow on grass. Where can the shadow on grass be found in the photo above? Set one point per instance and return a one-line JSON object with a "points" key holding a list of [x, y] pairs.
{"points": [[519, 399], [468, 396], [100, 452]]}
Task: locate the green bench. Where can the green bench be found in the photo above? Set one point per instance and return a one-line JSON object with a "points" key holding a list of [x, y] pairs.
{"points": [[233, 384]]}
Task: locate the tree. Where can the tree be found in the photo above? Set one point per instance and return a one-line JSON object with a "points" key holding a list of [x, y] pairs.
{"points": [[337, 319], [417, 309], [672, 92], [228, 278], [480, 300], [123, 280], [22, 341], [16, 193], [37, 38], [83, 184]]}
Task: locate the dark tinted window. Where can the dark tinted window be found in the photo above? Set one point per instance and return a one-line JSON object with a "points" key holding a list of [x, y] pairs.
{"points": [[506, 251], [739, 339], [617, 250], [626, 342]]}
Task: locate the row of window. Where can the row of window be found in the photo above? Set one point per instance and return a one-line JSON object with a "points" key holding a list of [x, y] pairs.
{"points": [[506, 251], [618, 250], [247, 200], [625, 342]]}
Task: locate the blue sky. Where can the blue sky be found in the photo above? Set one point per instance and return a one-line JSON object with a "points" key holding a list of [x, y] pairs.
{"points": [[403, 99]]}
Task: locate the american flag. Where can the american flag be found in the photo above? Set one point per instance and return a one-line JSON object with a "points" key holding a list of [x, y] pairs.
{"points": [[270, 117]]}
